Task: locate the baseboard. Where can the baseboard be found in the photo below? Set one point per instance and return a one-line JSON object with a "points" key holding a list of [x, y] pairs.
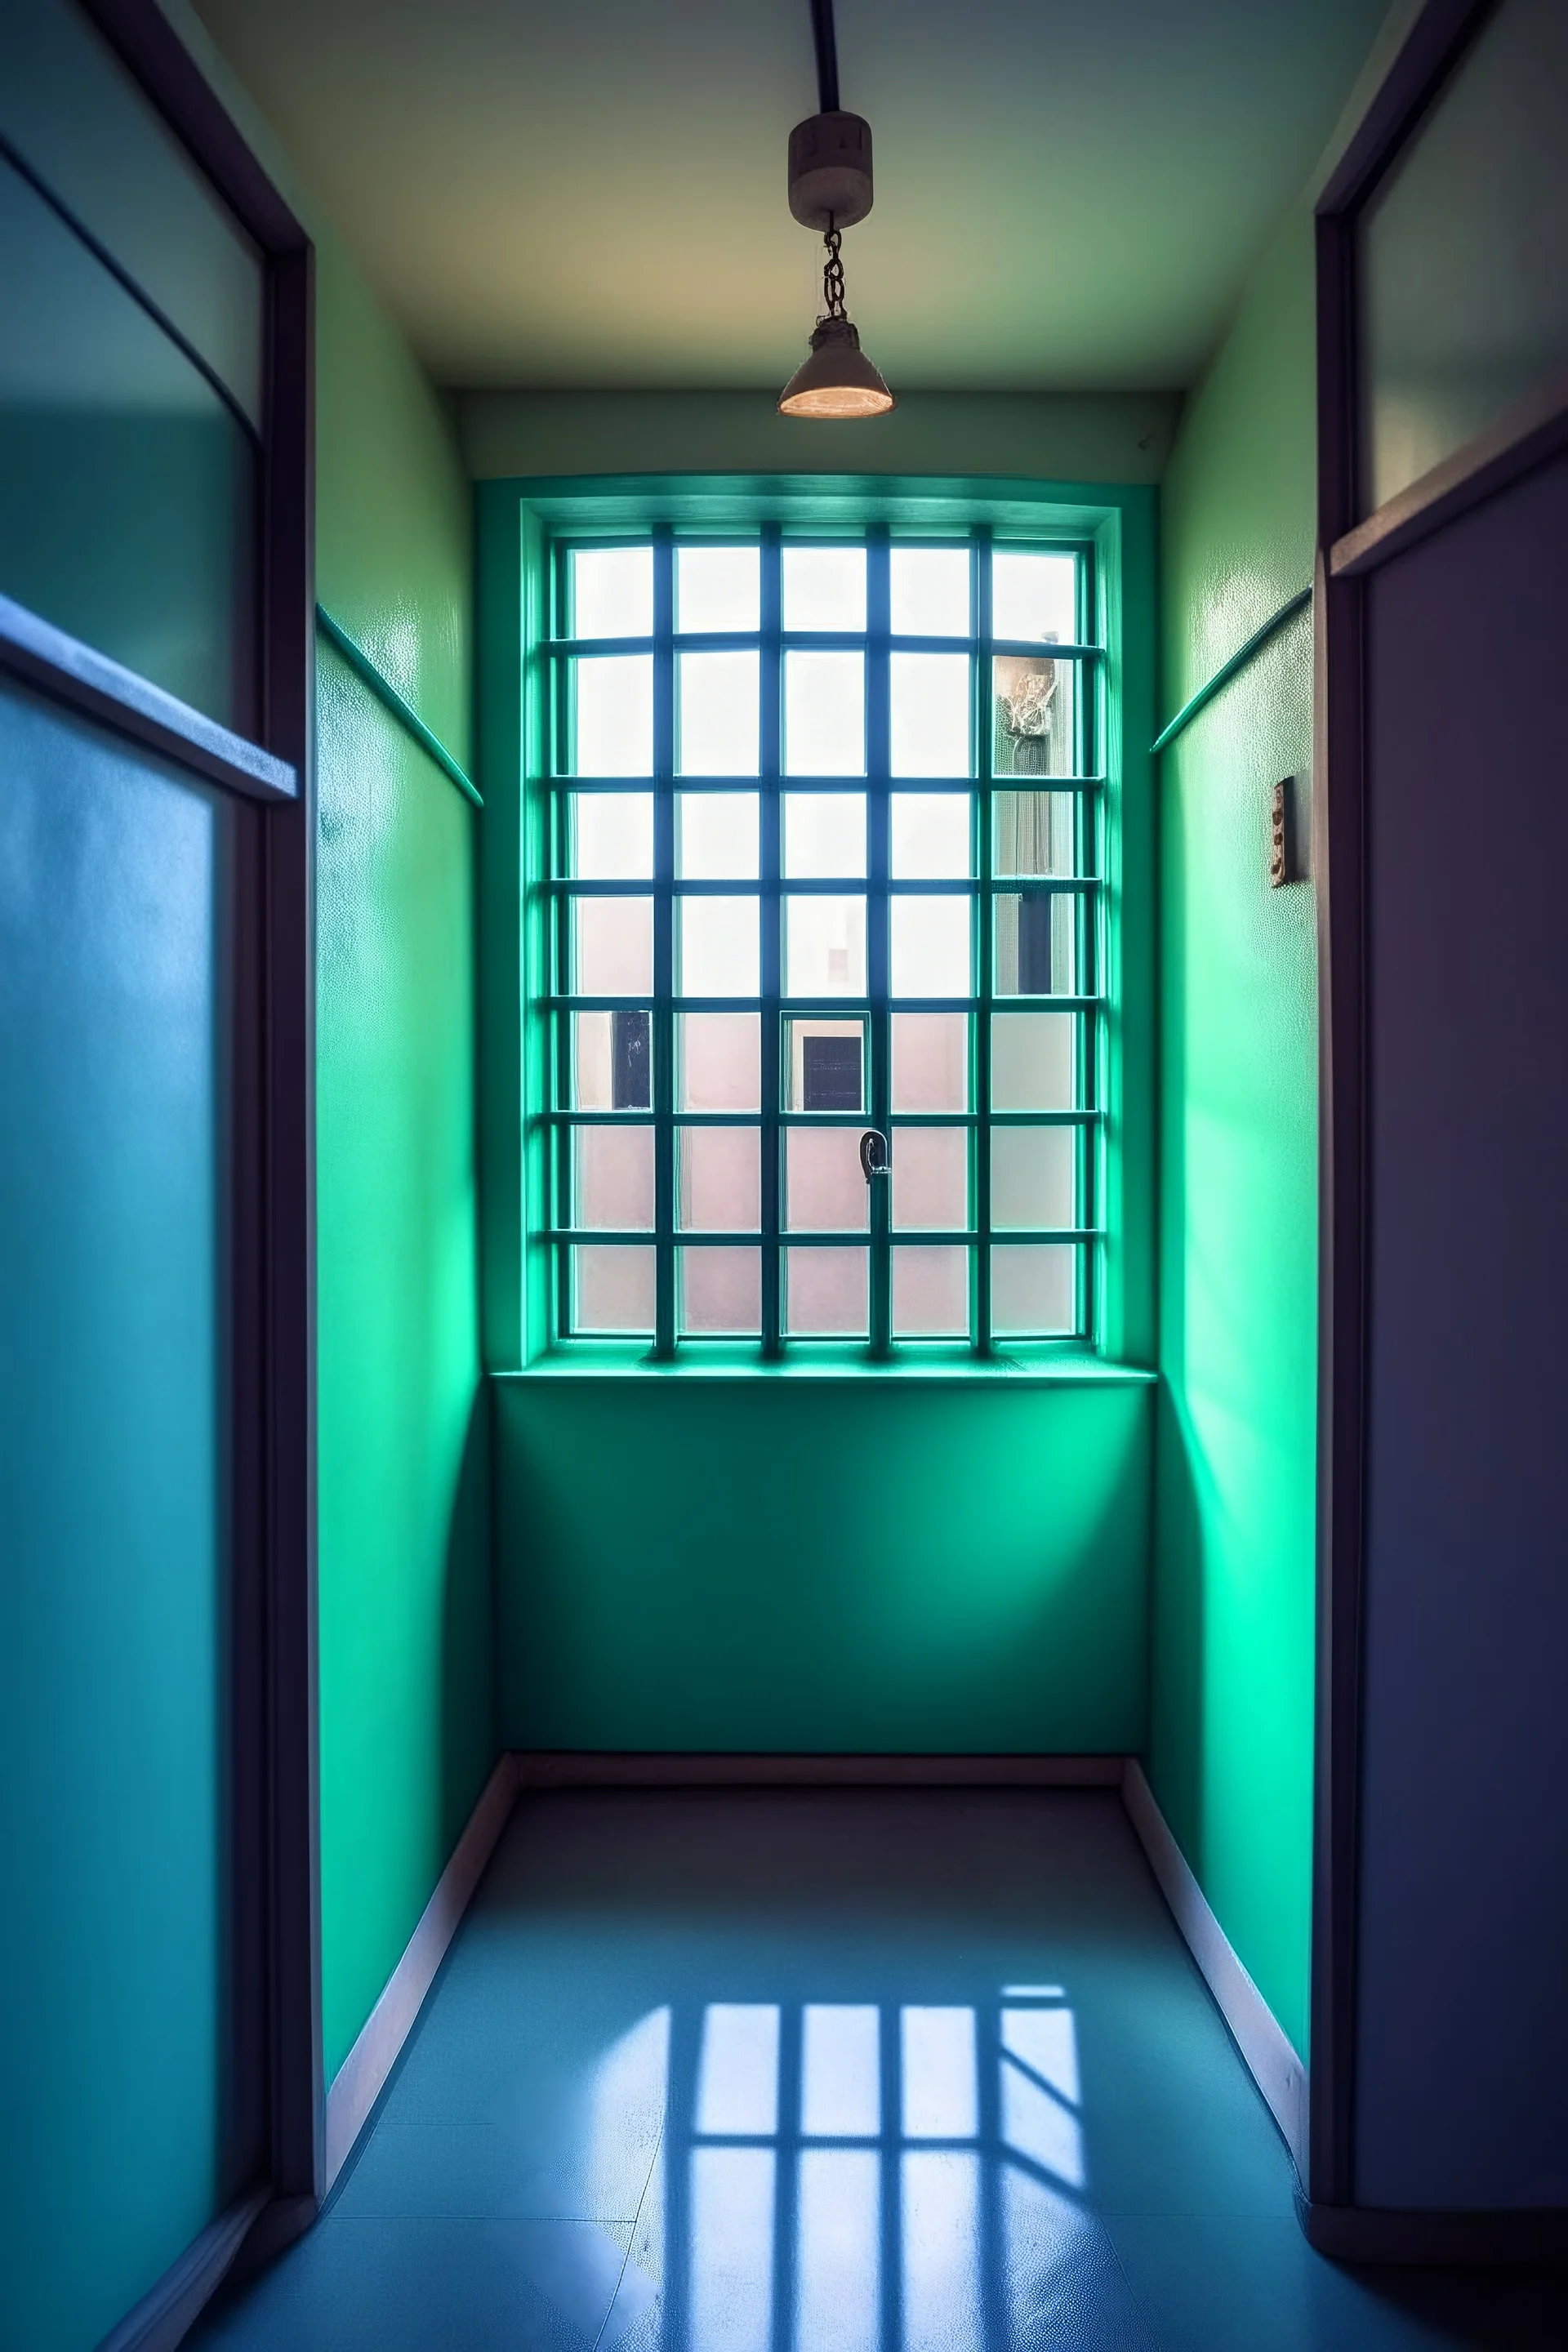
{"points": [[168, 2310], [1257, 2032], [605, 1769], [1365, 2233], [360, 2080]]}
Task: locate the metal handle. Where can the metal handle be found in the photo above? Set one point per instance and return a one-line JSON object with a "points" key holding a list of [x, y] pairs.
{"points": [[875, 1157]]}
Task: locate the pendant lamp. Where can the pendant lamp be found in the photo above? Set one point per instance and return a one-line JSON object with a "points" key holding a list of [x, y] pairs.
{"points": [[830, 189]]}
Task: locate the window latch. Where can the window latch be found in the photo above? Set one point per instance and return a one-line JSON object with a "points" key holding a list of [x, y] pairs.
{"points": [[875, 1159]]}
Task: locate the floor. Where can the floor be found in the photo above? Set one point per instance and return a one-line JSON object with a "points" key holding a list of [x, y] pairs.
{"points": [[832, 2072]]}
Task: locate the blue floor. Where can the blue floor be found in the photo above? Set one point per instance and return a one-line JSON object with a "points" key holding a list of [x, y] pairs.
{"points": [[838, 2072]]}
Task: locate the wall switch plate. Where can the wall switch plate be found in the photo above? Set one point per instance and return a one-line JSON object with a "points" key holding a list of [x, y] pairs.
{"points": [[1282, 862]]}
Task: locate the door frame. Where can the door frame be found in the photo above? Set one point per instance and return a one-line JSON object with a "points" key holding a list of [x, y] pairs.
{"points": [[1350, 546]]}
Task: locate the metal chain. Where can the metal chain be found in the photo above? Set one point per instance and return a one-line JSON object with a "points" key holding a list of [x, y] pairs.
{"points": [[832, 276]]}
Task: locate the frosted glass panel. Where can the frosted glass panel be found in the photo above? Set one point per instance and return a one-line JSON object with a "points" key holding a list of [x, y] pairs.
{"points": [[1032, 1059], [1032, 1289], [612, 1061], [1034, 834], [719, 1179], [717, 588], [825, 946], [825, 1190], [715, 714], [931, 1177], [1033, 729], [827, 1292], [615, 716], [720, 1292], [824, 588], [613, 1290], [612, 836], [930, 947], [612, 592], [716, 947], [716, 836], [612, 947], [824, 836], [930, 589], [931, 836], [825, 714], [612, 1179], [930, 715], [1032, 1176], [1034, 596], [719, 1061], [931, 1061], [1036, 944], [930, 1293]]}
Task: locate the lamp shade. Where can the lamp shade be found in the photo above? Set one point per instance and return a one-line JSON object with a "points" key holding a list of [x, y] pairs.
{"points": [[837, 379]]}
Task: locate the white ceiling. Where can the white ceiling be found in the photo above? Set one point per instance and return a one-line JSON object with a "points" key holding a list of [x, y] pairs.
{"points": [[593, 193]]}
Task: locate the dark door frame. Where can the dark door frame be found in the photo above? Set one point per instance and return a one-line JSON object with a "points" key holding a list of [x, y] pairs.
{"points": [[276, 1997], [1352, 544]]}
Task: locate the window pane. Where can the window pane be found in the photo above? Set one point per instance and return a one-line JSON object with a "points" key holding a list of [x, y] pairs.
{"points": [[825, 946], [717, 588], [1032, 1061], [720, 1179], [929, 591], [612, 1179], [719, 1061], [716, 836], [931, 836], [825, 1190], [613, 1289], [612, 1061], [931, 1178], [930, 715], [1033, 832], [1032, 1289], [827, 1292], [824, 836], [612, 837], [931, 1061], [1037, 936], [716, 947], [824, 588], [720, 1291], [612, 947], [931, 1294], [825, 714], [612, 592], [1032, 734], [613, 704], [1034, 596], [1032, 1176], [930, 947], [824, 1065], [715, 714]]}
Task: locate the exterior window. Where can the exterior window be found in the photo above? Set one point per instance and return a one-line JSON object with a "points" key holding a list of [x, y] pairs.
{"points": [[826, 844]]}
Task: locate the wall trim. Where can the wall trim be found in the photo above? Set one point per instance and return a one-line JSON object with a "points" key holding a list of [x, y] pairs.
{"points": [[361, 2079], [542, 1769], [1366, 2233], [1266, 2050], [169, 2307]]}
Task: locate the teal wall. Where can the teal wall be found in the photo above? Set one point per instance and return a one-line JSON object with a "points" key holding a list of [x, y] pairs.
{"points": [[874, 1564], [407, 1726], [1230, 1751]]}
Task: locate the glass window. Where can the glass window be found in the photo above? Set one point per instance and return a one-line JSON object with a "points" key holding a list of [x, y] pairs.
{"points": [[891, 923]]}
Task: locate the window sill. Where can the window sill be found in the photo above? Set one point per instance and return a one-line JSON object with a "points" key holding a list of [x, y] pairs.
{"points": [[1064, 1367]]}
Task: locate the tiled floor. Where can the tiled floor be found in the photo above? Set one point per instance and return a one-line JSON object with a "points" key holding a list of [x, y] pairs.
{"points": [[839, 2072]]}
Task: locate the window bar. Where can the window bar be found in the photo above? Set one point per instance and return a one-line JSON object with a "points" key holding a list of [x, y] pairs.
{"points": [[878, 856], [771, 812], [664, 918], [1090, 918], [560, 755], [979, 1078]]}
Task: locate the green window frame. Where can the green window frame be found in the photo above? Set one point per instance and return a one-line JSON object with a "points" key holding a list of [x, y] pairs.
{"points": [[1063, 913]]}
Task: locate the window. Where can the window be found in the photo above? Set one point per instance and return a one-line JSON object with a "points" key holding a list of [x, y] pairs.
{"points": [[826, 858]]}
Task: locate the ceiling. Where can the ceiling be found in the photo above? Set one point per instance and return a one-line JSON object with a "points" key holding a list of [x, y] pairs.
{"points": [[592, 193]]}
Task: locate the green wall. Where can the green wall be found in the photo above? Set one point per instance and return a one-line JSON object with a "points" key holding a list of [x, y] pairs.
{"points": [[1232, 1681], [858, 1564], [407, 1711]]}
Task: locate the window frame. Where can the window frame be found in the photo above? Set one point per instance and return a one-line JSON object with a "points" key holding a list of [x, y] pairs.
{"points": [[1089, 887]]}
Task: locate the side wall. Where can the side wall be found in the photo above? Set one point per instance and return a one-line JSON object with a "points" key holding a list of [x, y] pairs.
{"points": [[1231, 1722], [407, 1719]]}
